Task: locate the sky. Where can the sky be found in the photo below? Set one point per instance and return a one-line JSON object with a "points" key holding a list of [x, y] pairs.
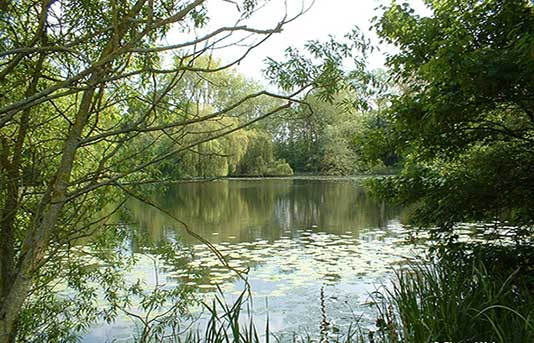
{"points": [[324, 18]]}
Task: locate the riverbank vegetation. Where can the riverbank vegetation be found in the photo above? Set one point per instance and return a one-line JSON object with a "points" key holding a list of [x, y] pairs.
{"points": [[94, 103], [315, 137], [464, 124]]}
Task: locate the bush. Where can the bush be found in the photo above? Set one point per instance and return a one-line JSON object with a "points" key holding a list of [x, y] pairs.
{"points": [[281, 168]]}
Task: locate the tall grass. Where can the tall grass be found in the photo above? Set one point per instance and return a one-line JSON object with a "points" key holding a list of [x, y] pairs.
{"points": [[451, 302], [234, 323]]}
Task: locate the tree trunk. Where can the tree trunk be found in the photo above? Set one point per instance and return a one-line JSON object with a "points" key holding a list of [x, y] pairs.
{"points": [[9, 212], [37, 239]]}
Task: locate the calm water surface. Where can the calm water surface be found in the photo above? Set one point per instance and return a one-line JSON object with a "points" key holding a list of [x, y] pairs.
{"points": [[294, 235]]}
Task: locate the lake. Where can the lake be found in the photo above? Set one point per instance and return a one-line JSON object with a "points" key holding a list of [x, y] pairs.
{"points": [[294, 235]]}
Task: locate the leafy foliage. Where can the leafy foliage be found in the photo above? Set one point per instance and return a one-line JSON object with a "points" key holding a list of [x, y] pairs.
{"points": [[464, 120], [316, 138], [321, 65]]}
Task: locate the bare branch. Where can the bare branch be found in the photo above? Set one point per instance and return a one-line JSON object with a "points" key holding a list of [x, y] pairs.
{"points": [[277, 29], [90, 140]]}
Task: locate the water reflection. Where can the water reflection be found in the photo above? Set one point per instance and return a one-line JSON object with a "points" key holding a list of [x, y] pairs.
{"points": [[294, 236], [290, 233], [247, 210]]}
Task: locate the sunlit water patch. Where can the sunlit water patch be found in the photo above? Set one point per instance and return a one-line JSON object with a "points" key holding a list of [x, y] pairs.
{"points": [[292, 236]]}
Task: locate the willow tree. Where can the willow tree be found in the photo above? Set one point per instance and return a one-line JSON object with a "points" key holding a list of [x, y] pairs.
{"points": [[84, 92]]}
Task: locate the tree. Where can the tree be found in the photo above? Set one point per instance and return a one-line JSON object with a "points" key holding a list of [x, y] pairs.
{"points": [[318, 135], [465, 119], [463, 124], [86, 92], [230, 154], [326, 137], [259, 158], [316, 138]]}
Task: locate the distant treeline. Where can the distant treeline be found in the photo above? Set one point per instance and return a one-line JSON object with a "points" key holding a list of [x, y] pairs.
{"points": [[326, 138]]}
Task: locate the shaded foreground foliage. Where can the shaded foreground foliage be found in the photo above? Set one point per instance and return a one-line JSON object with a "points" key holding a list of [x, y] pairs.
{"points": [[465, 119], [474, 298], [464, 126]]}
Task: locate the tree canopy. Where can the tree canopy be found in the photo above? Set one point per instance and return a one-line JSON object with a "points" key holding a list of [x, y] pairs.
{"points": [[95, 99], [465, 119]]}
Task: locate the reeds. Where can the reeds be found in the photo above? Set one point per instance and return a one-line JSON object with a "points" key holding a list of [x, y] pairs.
{"points": [[443, 303]]}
